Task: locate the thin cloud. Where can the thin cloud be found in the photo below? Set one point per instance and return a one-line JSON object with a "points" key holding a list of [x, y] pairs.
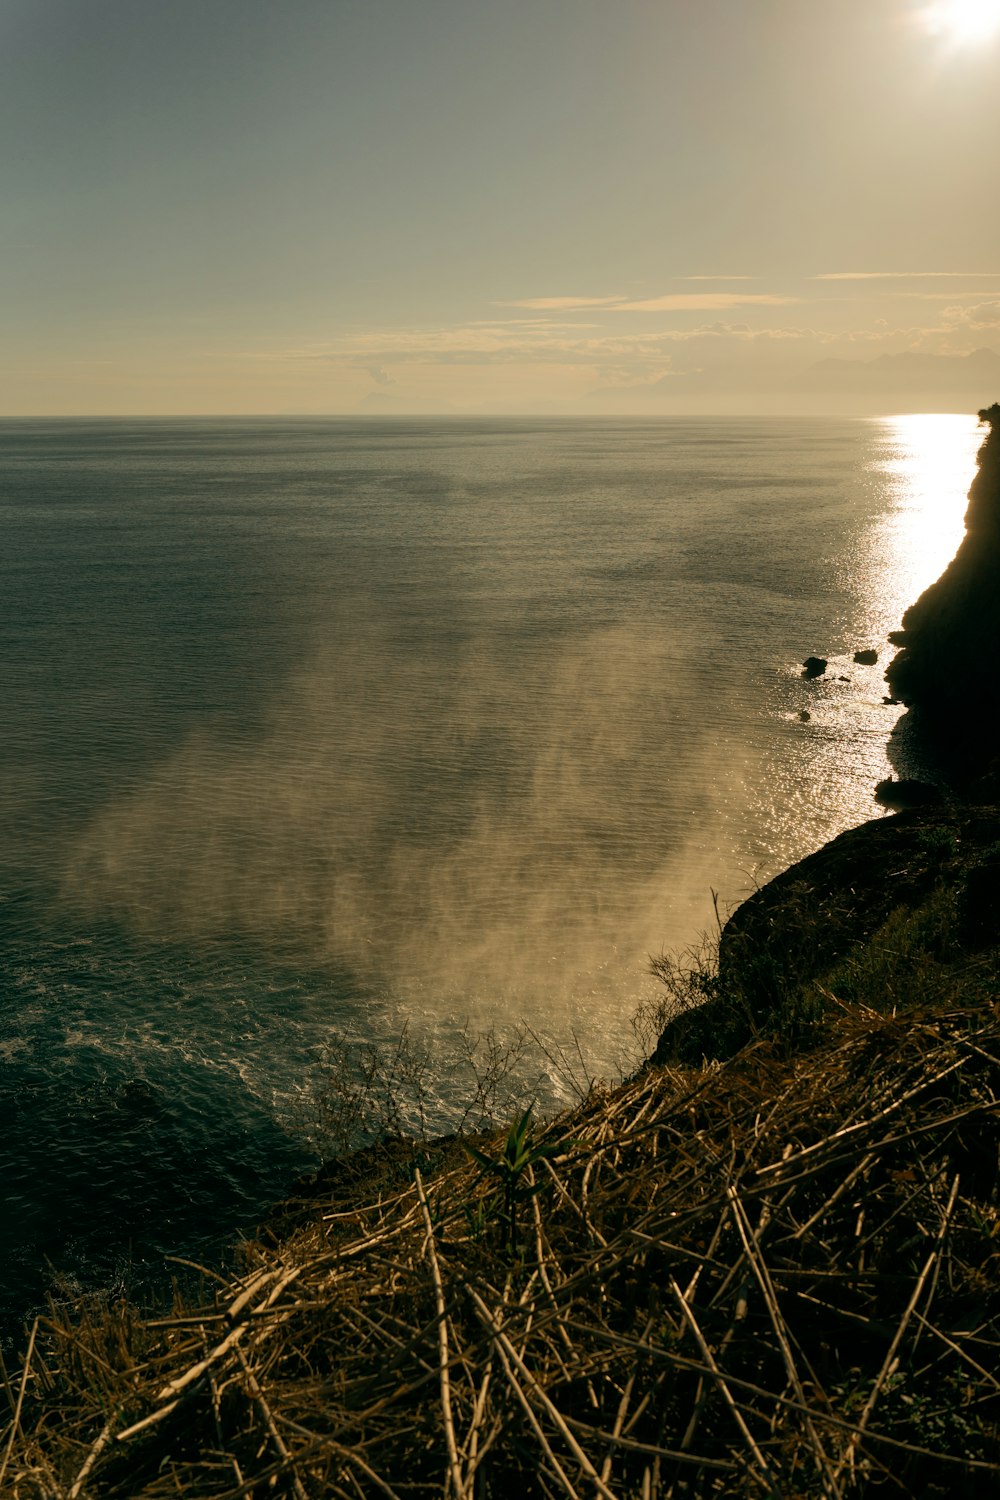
{"points": [[544, 342], [669, 302], [535, 342], [560, 304], [900, 275], [951, 295], [705, 302], [541, 324], [483, 344]]}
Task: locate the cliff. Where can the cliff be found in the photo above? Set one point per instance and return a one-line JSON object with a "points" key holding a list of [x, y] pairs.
{"points": [[947, 668]]}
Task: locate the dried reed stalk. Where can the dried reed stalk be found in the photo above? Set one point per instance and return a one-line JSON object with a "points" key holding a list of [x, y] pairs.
{"points": [[669, 1319]]}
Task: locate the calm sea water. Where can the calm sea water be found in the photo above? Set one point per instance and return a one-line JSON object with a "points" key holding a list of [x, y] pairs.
{"points": [[314, 729]]}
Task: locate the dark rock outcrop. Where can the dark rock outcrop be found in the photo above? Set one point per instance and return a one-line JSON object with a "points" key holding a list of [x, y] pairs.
{"points": [[790, 933], [807, 917], [866, 658], [907, 791], [814, 666], [947, 669]]}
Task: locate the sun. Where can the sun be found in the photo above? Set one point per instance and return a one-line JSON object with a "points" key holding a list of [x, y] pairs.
{"points": [[963, 22]]}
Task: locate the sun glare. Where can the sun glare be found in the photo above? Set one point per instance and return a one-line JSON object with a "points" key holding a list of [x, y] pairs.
{"points": [[963, 22], [928, 462]]}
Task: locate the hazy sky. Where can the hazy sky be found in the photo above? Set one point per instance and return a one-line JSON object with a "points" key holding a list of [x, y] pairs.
{"points": [[215, 206]]}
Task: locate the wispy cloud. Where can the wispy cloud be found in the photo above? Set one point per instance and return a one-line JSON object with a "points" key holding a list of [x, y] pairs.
{"points": [[704, 302], [547, 342], [541, 324], [560, 304], [951, 295], [503, 343], [668, 302], [901, 275]]}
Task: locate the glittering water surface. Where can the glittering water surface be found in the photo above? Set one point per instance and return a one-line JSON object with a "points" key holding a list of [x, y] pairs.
{"points": [[321, 727]]}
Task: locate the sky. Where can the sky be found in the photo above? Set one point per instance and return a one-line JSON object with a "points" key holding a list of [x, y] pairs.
{"points": [[498, 206]]}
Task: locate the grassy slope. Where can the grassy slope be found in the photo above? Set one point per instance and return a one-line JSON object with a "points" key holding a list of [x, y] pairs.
{"points": [[775, 1274]]}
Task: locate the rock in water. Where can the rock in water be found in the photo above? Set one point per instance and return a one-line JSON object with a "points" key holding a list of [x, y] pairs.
{"points": [[866, 658], [814, 666]]}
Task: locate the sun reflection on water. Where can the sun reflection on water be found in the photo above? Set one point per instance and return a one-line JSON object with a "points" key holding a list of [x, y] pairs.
{"points": [[927, 463], [913, 483]]}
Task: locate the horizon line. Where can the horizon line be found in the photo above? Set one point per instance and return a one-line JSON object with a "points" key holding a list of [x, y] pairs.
{"points": [[431, 416]]}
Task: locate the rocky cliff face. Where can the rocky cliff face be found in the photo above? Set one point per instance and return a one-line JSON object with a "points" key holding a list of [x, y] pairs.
{"points": [[949, 665]]}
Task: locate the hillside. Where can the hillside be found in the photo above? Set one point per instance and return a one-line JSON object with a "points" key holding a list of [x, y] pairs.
{"points": [[776, 1274]]}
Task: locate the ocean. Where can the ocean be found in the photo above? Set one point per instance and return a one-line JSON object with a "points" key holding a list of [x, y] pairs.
{"points": [[316, 732]]}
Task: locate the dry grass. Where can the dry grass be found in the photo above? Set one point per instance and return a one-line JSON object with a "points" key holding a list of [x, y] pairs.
{"points": [[777, 1276]]}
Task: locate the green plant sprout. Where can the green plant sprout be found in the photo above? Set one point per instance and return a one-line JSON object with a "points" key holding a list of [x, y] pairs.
{"points": [[520, 1152]]}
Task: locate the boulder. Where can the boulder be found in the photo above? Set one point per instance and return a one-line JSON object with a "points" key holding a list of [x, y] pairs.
{"points": [[907, 792], [814, 666], [866, 658]]}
